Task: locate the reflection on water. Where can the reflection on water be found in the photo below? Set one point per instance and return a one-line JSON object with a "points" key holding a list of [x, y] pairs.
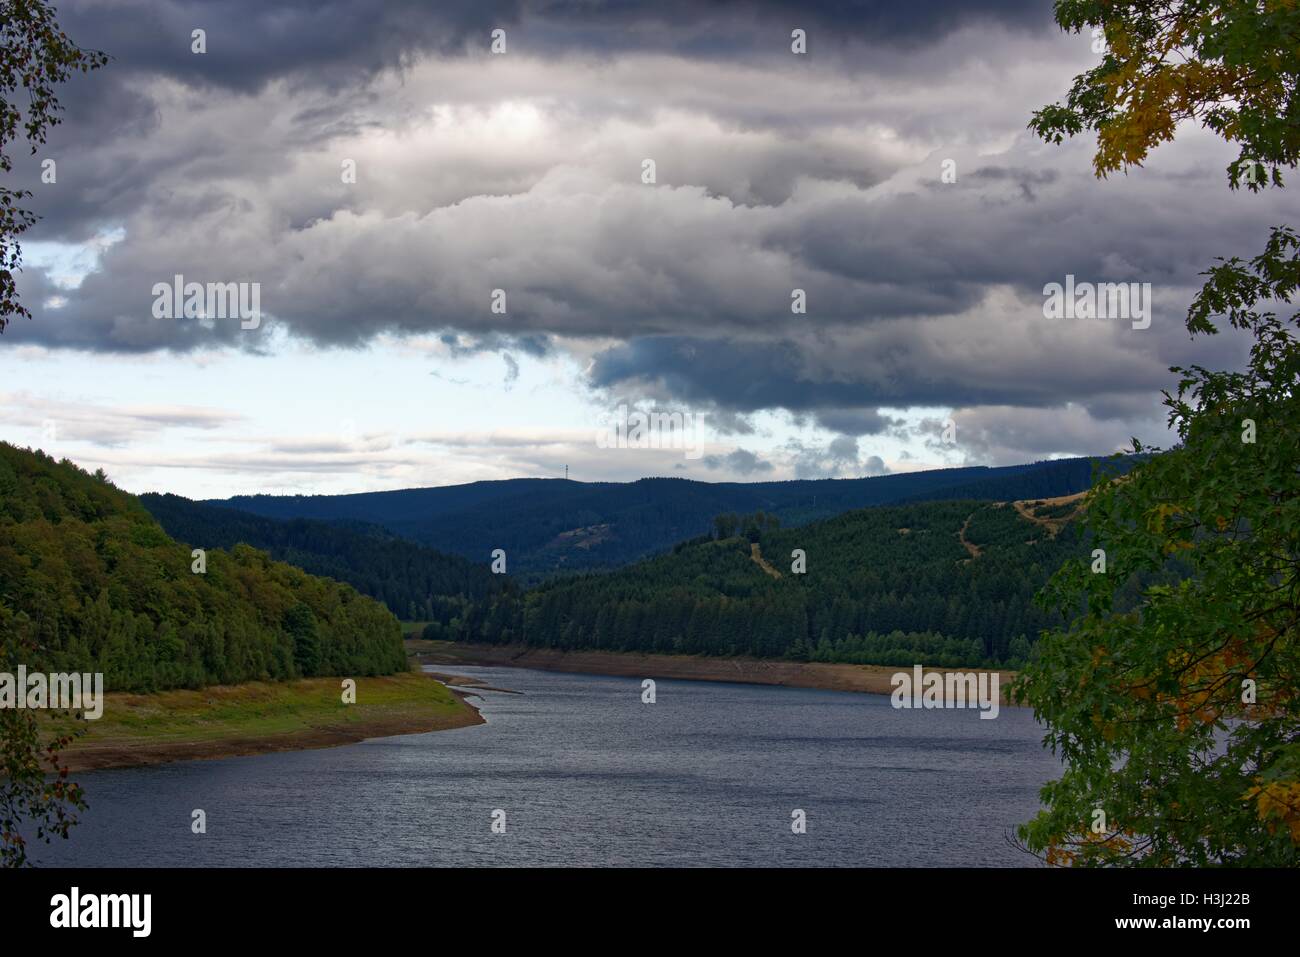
{"points": [[589, 775]]}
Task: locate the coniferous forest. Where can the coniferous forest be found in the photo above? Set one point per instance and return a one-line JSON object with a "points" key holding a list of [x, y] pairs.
{"points": [[555, 526], [101, 580], [948, 583]]}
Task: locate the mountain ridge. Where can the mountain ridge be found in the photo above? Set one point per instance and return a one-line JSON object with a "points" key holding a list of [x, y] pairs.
{"points": [[528, 517]]}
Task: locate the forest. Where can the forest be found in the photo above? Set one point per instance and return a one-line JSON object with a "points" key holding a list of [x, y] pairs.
{"points": [[415, 582], [89, 581], [947, 583], [98, 579], [553, 527]]}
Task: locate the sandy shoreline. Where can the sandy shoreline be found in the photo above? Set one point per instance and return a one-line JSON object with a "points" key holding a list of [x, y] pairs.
{"points": [[867, 679]]}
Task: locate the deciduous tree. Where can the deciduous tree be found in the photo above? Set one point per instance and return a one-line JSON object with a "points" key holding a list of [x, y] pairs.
{"points": [[1177, 718], [35, 56]]}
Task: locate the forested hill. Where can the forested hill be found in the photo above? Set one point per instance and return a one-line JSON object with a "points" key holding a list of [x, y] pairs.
{"points": [[89, 581], [947, 583], [552, 525], [415, 582]]}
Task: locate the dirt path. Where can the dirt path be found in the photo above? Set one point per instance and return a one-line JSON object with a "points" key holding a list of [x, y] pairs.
{"points": [[971, 547], [1026, 508], [756, 554]]}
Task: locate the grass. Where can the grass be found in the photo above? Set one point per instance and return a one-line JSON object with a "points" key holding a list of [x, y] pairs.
{"points": [[264, 711]]}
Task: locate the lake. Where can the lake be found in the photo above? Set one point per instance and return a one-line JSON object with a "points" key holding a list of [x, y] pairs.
{"points": [[587, 774]]}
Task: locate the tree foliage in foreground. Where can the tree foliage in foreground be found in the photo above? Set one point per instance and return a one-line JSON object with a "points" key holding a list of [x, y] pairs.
{"points": [[1178, 718], [36, 795], [1228, 65], [35, 56]]}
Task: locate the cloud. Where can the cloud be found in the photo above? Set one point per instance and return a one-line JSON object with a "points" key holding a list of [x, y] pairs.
{"points": [[855, 421], [740, 461], [512, 370], [523, 173], [334, 42], [839, 458], [998, 434], [1024, 179], [59, 421]]}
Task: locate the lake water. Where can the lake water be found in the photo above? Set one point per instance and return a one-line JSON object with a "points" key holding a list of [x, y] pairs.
{"points": [[589, 775]]}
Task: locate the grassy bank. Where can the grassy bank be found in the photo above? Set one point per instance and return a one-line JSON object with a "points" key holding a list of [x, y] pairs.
{"points": [[259, 717], [870, 679]]}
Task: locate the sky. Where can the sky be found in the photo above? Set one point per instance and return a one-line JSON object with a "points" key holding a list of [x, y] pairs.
{"points": [[465, 270]]}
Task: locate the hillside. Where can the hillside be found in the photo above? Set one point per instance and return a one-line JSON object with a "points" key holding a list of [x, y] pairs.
{"points": [[946, 583], [548, 526], [415, 582], [89, 581]]}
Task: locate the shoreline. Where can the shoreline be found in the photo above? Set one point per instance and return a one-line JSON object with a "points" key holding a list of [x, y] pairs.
{"points": [[864, 679], [227, 721]]}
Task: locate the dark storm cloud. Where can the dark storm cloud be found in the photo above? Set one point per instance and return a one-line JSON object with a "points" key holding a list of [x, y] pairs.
{"points": [[339, 46], [321, 42], [855, 421], [1025, 179], [523, 173], [102, 175], [746, 376], [250, 42], [460, 346], [935, 252]]}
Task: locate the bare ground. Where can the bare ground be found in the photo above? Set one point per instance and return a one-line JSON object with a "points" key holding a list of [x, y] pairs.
{"points": [[869, 679], [1028, 507], [970, 546], [756, 555]]}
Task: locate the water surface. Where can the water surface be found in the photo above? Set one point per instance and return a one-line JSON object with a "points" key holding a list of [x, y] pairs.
{"points": [[589, 775]]}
